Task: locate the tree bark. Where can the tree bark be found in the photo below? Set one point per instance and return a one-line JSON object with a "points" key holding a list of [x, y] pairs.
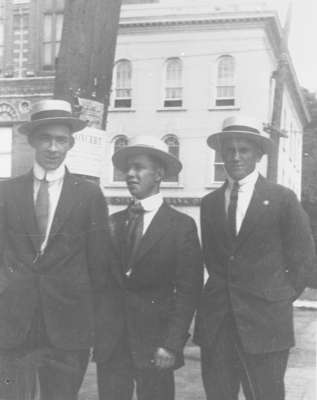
{"points": [[85, 61]]}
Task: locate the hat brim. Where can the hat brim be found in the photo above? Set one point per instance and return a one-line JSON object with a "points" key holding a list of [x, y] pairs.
{"points": [[215, 140], [75, 124], [171, 164]]}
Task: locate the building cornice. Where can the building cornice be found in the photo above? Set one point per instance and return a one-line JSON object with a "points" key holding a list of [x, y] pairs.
{"points": [[268, 20]]}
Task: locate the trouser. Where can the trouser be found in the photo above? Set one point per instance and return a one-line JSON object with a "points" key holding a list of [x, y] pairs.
{"points": [[226, 366], [118, 376], [38, 369]]}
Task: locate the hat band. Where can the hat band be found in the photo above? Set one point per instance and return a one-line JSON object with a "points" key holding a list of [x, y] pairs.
{"points": [[51, 114], [233, 128]]}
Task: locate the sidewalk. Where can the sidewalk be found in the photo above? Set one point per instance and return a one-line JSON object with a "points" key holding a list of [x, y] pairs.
{"points": [[300, 379]]}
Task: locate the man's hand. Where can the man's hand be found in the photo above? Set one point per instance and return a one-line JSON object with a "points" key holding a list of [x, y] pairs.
{"points": [[163, 358]]}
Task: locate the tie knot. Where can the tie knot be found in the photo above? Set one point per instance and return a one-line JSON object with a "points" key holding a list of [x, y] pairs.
{"points": [[136, 208], [235, 186]]}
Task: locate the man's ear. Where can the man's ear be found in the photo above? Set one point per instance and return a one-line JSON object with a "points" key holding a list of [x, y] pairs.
{"points": [[160, 174]]}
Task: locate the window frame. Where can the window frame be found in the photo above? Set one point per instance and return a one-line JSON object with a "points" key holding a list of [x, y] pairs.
{"points": [[227, 101], [117, 99], [165, 138], [174, 102], [114, 170], [56, 11]]}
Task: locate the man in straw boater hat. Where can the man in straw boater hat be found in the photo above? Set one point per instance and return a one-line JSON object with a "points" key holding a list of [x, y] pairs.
{"points": [[52, 241], [160, 277], [258, 248]]}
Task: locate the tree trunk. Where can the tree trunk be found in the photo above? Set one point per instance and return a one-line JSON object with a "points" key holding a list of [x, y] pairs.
{"points": [[87, 50]]}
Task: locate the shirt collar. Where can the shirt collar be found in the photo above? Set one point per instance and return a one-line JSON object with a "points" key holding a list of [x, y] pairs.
{"points": [[152, 203], [52, 175], [248, 181]]}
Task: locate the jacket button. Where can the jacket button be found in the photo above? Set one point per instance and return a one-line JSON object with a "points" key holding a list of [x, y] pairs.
{"points": [[231, 258]]}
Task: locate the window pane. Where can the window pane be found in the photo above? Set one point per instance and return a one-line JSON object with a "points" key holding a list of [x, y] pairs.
{"points": [[174, 73], [173, 93], [173, 148], [59, 26], [47, 28], [122, 141], [47, 54], [225, 69], [124, 75]]}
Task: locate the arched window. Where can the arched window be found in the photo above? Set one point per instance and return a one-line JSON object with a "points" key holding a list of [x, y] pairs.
{"points": [[173, 83], [118, 143], [173, 148], [225, 90], [123, 87]]}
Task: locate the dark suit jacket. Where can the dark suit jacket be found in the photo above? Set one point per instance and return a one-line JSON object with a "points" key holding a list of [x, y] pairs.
{"points": [[259, 276], [161, 294], [61, 279]]}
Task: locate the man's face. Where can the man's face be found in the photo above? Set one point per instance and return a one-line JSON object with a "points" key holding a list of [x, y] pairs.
{"points": [[143, 176], [240, 157], [51, 144]]}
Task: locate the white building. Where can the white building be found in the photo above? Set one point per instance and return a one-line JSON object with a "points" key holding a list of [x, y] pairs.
{"points": [[180, 70]]}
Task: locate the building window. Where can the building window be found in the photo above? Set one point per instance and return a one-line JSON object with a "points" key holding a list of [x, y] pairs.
{"points": [[52, 32], [225, 90], [173, 83], [2, 21], [123, 86], [118, 143], [5, 151], [173, 148], [219, 171]]}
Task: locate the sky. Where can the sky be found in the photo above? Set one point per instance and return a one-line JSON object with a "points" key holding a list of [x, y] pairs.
{"points": [[302, 39]]}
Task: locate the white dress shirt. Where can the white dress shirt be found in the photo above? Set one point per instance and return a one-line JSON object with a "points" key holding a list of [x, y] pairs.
{"points": [[151, 206], [55, 180], [245, 192]]}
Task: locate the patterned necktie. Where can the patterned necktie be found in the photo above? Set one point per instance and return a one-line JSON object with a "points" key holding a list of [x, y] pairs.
{"points": [[232, 210], [134, 230], [42, 208]]}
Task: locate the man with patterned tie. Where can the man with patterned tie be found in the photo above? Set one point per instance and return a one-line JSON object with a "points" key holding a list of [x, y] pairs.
{"points": [[258, 248], [52, 249], [160, 277]]}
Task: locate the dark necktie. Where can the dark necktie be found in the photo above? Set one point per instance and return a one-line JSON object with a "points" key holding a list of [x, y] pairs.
{"points": [[134, 230], [42, 208], [232, 210]]}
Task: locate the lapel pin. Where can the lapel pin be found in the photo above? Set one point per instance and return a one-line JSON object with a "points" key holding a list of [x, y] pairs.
{"points": [[266, 202]]}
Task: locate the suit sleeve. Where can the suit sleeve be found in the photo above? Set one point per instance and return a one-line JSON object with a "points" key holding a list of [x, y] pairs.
{"points": [[98, 240], [188, 285], [298, 243]]}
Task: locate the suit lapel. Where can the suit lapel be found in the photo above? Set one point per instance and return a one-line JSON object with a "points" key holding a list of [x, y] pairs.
{"points": [[118, 232], [158, 227], [216, 216], [257, 206], [25, 201], [64, 205]]}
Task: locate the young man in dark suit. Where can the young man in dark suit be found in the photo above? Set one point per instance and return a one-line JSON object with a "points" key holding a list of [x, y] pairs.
{"points": [[160, 278], [52, 241], [258, 249]]}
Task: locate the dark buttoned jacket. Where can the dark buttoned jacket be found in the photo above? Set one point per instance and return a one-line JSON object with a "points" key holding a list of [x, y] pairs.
{"points": [[258, 275], [161, 293], [59, 281]]}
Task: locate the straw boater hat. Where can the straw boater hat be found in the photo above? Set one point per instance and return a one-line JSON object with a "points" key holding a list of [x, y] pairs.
{"points": [[147, 145], [52, 111], [241, 127]]}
